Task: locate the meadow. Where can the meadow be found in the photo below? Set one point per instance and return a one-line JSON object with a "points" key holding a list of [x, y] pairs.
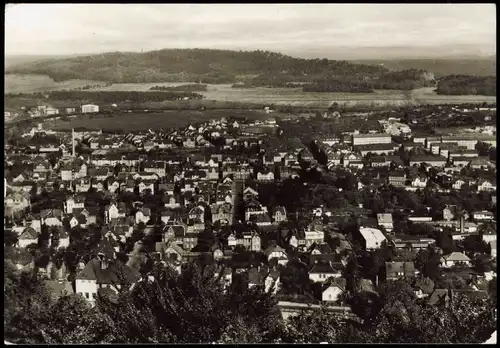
{"points": [[428, 96], [278, 96], [134, 121], [259, 95]]}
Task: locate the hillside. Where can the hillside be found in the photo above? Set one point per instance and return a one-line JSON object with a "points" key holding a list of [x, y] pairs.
{"points": [[467, 85], [440, 67], [188, 65]]}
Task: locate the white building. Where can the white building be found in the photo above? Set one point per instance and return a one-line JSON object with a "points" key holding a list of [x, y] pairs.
{"points": [[90, 108], [51, 111], [455, 258], [312, 237], [368, 139], [373, 237]]}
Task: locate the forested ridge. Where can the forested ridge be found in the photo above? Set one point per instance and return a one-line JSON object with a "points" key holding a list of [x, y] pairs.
{"points": [[254, 69], [201, 65]]}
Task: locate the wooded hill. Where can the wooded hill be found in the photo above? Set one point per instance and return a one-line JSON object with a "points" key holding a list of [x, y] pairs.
{"points": [[188, 65], [254, 69], [467, 85]]}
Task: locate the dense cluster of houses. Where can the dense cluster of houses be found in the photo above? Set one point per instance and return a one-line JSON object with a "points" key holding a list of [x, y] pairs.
{"points": [[200, 188]]}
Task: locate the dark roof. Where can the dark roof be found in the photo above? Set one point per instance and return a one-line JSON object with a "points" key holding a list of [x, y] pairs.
{"points": [[323, 248], [428, 159], [438, 295], [425, 284], [22, 257], [29, 233], [104, 246], [394, 268], [109, 275], [340, 282], [322, 267], [59, 288]]}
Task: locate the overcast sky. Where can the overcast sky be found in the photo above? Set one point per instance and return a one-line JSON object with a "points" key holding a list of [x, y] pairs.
{"points": [[89, 28]]}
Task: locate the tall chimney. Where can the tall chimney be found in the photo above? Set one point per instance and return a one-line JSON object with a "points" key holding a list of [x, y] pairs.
{"points": [[462, 223], [73, 141]]}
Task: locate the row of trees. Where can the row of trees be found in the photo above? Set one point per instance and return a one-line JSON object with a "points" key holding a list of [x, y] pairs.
{"points": [[110, 96], [402, 80], [196, 87]]}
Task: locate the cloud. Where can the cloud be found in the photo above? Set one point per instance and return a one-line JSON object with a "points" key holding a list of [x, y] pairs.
{"points": [[89, 28]]}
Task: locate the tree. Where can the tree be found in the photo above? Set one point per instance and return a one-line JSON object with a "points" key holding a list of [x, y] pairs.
{"points": [[474, 244], [26, 300], [160, 310], [72, 320], [427, 261], [295, 278], [404, 319], [445, 241], [483, 148], [10, 238], [482, 263], [314, 327]]}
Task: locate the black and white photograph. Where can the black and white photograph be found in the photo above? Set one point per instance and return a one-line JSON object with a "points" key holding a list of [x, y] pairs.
{"points": [[250, 173]]}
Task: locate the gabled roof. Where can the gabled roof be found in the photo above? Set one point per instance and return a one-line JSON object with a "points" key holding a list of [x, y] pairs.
{"points": [[109, 275], [104, 247], [323, 248], [322, 267], [272, 249], [456, 257], [176, 248], [178, 230], [425, 284], [438, 295], [280, 209], [336, 282]]}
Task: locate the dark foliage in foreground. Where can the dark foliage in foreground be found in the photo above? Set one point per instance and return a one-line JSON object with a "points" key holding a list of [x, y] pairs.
{"points": [[196, 307]]}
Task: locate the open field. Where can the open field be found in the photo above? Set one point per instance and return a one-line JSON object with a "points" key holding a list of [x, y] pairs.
{"points": [[143, 121], [261, 95], [40, 83], [278, 96]]}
